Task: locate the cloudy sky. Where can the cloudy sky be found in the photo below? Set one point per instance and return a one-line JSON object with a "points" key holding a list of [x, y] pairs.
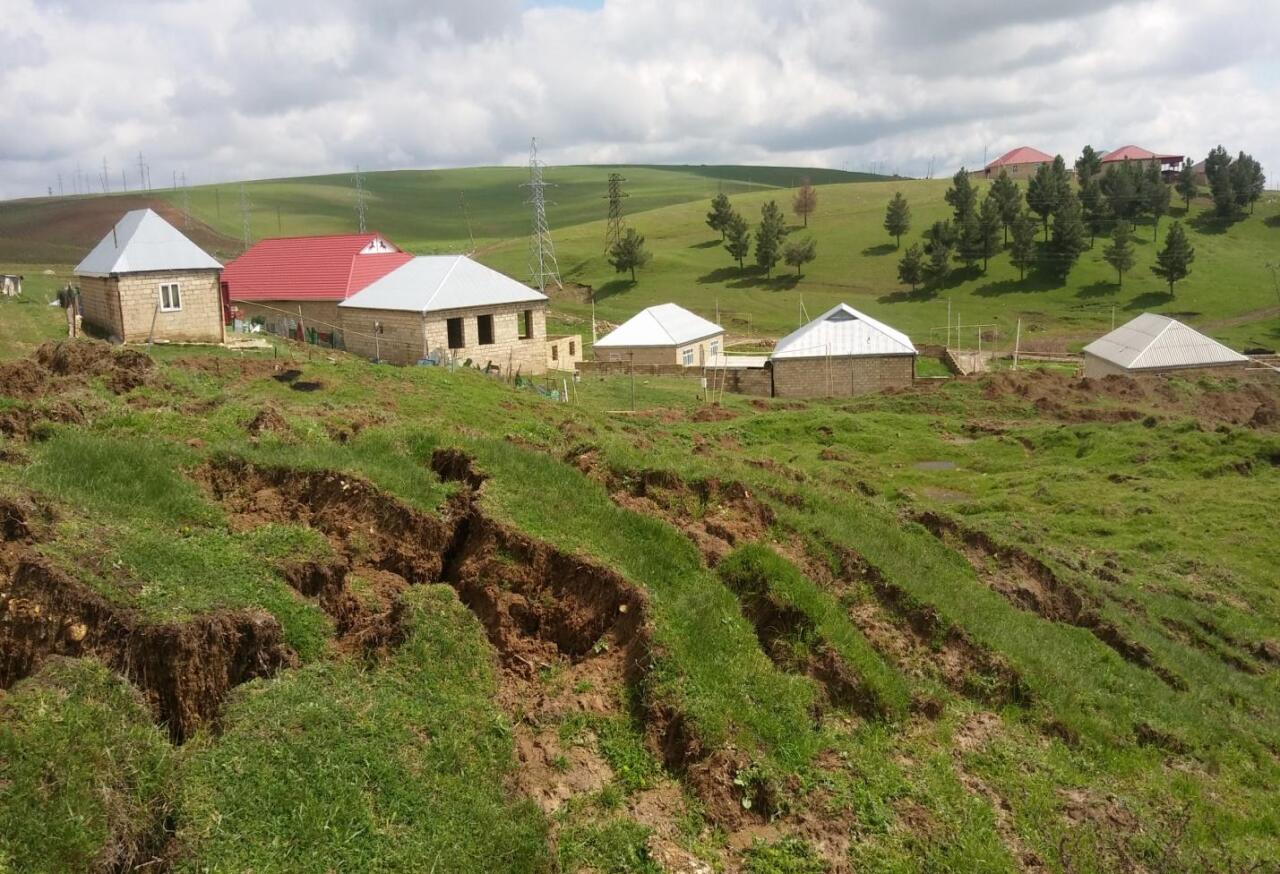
{"points": [[257, 88]]}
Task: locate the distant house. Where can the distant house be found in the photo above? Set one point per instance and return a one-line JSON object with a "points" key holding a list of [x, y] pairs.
{"points": [[663, 334], [843, 352], [564, 352], [448, 307], [1156, 344], [1020, 163], [1169, 164], [145, 276], [296, 283], [10, 284]]}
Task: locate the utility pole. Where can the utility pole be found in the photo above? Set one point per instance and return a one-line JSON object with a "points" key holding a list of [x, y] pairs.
{"points": [[360, 201], [542, 254], [613, 231], [466, 217], [186, 202], [60, 191], [244, 215], [142, 172], [106, 180]]}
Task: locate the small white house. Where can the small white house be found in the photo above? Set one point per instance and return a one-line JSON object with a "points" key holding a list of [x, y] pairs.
{"points": [[1153, 343], [842, 352], [663, 334]]}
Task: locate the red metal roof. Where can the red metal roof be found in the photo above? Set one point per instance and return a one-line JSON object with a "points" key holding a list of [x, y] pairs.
{"points": [[1136, 153], [309, 268], [1021, 155]]}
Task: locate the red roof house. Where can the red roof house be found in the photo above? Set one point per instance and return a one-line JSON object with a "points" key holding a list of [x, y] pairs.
{"points": [[1137, 153], [1020, 163], [310, 268]]}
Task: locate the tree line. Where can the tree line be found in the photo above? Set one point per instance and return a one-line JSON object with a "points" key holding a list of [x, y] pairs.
{"points": [[771, 234]]}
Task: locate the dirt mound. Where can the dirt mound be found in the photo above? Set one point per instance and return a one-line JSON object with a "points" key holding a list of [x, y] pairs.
{"points": [[59, 364], [713, 413], [184, 669], [267, 420]]}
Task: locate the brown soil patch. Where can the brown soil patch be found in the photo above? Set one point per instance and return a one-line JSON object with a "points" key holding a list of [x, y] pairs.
{"points": [[713, 413], [267, 420], [59, 365], [1031, 585]]}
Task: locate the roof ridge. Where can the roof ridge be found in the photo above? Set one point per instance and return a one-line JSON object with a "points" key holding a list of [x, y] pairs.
{"points": [[443, 280], [658, 321], [1169, 323]]}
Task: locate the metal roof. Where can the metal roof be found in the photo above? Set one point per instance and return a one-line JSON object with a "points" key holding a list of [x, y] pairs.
{"points": [[142, 241], [663, 325], [840, 332], [432, 283], [1136, 153], [1021, 155], [1156, 342], [330, 267]]}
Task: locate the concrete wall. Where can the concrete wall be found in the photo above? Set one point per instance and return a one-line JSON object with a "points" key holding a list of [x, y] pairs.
{"points": [[564, 353], [319, 314], [702, 351], [123, 306], [1096, 368], [755, 381], [1017, 172], [407, 337], [841, 377]]}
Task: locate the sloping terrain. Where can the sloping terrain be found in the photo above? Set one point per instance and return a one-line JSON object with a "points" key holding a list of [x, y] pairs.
{"points": [[420, 620]]}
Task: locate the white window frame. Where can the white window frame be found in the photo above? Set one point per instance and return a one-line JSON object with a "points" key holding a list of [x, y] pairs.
{"points": [[177, 290], [686, 357]]}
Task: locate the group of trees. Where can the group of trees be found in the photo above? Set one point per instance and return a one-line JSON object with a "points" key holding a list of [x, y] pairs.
{"points": [[1069, 213], [1233, 184], [771, 234]]}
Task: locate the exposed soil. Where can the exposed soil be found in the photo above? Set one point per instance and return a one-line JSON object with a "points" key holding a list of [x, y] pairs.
{"points": [[1031, 585], [58, 368], [267, 420]]}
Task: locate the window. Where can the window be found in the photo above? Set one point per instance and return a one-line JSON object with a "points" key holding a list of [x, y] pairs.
{"points": [[526, 324], [687, 357], [484, 328], [715, 348], [573, 348], [555, 351], [170, 297], [454, 328]]}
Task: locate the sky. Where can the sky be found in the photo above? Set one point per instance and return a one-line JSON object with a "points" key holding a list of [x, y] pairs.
{"points": [[265, 88]]}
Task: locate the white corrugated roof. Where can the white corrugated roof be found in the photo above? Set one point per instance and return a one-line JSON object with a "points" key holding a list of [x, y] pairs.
{"points": [[663, 325], [1152, 341], [843, 331], [432, 283], [143, 241]]}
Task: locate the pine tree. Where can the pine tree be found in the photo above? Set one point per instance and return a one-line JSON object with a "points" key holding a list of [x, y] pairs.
{"points": [[721, 212], [911, 267], [737, 238], [769, 236], [969, 241], [1247, 181], [1186, 184], [1174, 261], [1155, 196], [1217, 166], [1043, 195], [1122, 187], [962, 196], [1088, 165], [940, 243], [800, 252], [806, 201], [988, 229], [1008, 198], [1120, 253], [629, 253], [1068, 240], [1094, 206], [897, 217], [1022, 254]]}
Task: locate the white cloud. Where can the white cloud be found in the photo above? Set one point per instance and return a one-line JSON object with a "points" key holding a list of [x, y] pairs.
{"points": [[282, 87]]}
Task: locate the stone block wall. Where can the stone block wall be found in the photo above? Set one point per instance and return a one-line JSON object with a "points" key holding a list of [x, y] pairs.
{"points": [[841, 377], [564, 353], [124, 305]]}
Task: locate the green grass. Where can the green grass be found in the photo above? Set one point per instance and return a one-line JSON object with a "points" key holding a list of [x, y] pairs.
{"points": [[86, 778], [337, 766]]}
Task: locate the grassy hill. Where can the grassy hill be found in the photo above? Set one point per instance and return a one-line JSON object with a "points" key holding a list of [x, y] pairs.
{"points": [[267, 611]]}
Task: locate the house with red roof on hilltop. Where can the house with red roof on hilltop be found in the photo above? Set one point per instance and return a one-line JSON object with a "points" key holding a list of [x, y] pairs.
{"points": [[1019, 163], [1169, 164], [294, 284]]}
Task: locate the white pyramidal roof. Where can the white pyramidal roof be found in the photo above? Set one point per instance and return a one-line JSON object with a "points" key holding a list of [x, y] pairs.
{"points": [[1152, 341], [431, 283], [663, 325], [142, 241], [840, 332]]}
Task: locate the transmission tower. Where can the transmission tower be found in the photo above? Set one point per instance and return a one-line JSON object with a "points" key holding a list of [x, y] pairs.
{"points": [[466, 216], [361, 207], [613, 231], [244, 214], [186, 202], [142, 173], [542, 254]]}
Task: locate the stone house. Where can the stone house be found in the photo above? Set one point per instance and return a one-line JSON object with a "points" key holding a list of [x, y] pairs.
{"points": [[1156, 344], [1020, 163], [293, 285], [448, 308], [842, 353], [663, 334], [146, 280]]}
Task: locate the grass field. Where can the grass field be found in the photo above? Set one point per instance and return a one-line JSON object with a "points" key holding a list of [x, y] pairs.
{"points": [[417, 618]]}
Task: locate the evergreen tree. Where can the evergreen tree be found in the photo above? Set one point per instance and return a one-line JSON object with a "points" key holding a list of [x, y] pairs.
{"points": [[800, 252], [1122, 187], [737, 238], [1043, 195], [988, 224], [1155, 196], [940, 243], [769, 236], [1068, 241], [1186, 184], [1247, 181], [1008, 198], [1120, 253], [1174, 261], [1094, 206], [1218, 168], [962, 196], [1022, 254], [806, 201], [911, 267], [721, 212], [897, 217], [629, 253], [969, 241], [1088, 165]]}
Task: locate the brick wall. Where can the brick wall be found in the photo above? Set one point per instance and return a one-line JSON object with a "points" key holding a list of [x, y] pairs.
{"points": [[407, 336], [841, 377], [125, 305], [663, 354], [756, 381]]}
